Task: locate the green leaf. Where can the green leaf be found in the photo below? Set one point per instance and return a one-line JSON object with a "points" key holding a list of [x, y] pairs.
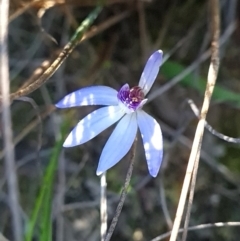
{"points": [[170, 69]]}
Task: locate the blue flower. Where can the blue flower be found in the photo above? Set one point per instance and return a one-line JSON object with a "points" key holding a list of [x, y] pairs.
{"points": [[126, 106]]}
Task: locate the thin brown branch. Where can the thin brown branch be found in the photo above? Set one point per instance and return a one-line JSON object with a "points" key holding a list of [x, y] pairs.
{"points": [[67, 50], [46, 4], [40, 77]]}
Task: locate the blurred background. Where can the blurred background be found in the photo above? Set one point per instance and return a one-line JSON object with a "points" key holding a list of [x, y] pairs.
{"points": [[113, 55]]}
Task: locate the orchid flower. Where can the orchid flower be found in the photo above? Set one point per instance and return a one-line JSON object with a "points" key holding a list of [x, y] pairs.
{"points": [[126, 106]]}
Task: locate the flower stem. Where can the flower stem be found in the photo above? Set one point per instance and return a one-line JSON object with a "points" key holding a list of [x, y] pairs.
{"points": [[103, 206], [123, 194]]}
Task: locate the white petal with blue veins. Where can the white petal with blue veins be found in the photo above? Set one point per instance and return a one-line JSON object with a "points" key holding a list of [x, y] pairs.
{"points": [[152, 141], [93, 124], [93, 95], [118, 143], [150, 71]]}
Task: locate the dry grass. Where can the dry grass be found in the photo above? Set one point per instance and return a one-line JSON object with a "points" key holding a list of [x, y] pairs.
{"points": [[113, 53]]}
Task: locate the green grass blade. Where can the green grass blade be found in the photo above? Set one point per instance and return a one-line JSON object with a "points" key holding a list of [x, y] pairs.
{"points": [[46, 222], [170, 69], [44, 197]]}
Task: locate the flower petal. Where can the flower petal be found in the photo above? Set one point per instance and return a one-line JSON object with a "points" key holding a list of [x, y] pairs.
{"points": [[118, 143], [93, 124], [152, 141], [93, 95], [150, 71]]}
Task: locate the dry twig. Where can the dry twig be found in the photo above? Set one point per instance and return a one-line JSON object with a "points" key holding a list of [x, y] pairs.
{"points": [[211, 129], [197, 143], [199, 227]]}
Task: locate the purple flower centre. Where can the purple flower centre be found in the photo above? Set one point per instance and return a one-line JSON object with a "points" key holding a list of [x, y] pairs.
{"points": [[132, 98]]}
